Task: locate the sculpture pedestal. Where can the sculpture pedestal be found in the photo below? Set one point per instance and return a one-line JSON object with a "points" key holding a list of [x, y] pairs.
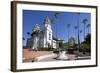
{"points": [[62, 56]]}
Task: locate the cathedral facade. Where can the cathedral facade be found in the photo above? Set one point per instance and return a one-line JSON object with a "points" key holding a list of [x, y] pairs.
{"points": [[42, 38]]}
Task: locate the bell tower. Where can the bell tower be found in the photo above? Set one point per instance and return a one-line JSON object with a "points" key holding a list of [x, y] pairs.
{"points": [[48, 32]]}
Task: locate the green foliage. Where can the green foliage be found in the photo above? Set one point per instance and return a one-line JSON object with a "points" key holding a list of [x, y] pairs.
{"points": [[85, 21], [88, 39], [28, 33], [61, 44]]}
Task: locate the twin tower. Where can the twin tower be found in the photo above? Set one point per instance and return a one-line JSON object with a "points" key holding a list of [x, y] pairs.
{"points": [[42, 38]]}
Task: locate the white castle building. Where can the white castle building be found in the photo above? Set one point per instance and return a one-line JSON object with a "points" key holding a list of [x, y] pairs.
{"points": [[42, 38]]}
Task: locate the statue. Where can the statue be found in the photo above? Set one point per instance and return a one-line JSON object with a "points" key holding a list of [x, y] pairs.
{"points": [[62, 55]]}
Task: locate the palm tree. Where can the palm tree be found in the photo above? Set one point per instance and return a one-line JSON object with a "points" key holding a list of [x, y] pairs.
{"points": [[88, 25], [68, 26], [80, 33], [28, 33], [78, 30], [23, 38], [84, 22], [76, 34], [56, 14]]}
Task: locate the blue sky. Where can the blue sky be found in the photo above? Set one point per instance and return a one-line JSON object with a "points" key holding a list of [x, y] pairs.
{"points": [[59, 27]]}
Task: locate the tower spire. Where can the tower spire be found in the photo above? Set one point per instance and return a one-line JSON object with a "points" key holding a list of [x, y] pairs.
{"points": [[47, 20]]}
